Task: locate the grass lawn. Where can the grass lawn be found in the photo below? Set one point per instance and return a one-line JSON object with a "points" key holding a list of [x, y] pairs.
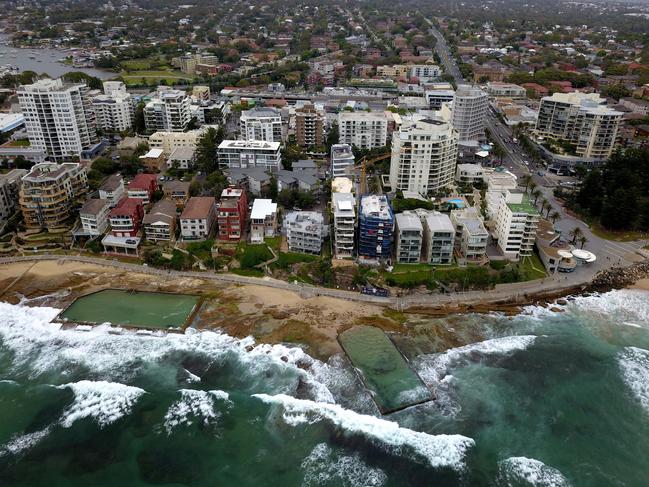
{"points": [[532, 267], [402, 268], [18, 143], [248, 272], [627, 236], [286, 259], [170, 76]]}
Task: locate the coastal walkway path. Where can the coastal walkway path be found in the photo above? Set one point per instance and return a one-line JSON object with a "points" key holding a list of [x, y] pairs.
{"points": [[511, 293]]}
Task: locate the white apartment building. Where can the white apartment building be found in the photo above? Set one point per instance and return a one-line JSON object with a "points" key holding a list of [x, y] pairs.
{"points": [[168, 141], [94, 216], [365, 130], [343, 206], [168, 111], [115, 109], [516, 221], [182, 158], [304, 231], [469, 112], [425, 72], [471, 236], [263, 220], [261, 124], [9, 187], [582, 119], [409, 236], [342, 160], [249, 153], [58, 118], [469, 173], [439, 238], [112, 189], [424, 155]]}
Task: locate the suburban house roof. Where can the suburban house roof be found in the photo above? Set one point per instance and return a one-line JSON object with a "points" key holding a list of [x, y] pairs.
{"points": [[198, 207]]}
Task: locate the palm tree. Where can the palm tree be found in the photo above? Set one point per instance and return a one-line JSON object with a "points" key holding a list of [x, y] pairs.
{"points": [[582, 241], [549, 209], [536, 193], [576, 233], [555, 216], [527, 179], [533, 187]]}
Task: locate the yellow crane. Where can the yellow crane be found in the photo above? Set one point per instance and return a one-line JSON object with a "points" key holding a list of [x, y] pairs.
{"points": [[366, 162]]}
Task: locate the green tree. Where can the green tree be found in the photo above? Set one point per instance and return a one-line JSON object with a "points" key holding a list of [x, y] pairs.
{"points": [[206, 149], [138, 122]]}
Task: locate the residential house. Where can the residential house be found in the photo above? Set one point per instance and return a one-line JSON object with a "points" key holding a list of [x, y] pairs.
{"points": [[94, 216], [263, 220], [198, 218], [125, 222], [233, 209], [160, 221], [142, 187], [182, 158], [154, 160], [177, 191], [112, 189]]}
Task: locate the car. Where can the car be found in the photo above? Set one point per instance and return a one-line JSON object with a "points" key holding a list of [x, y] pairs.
{"points": [[130, 241], [540, 173]]}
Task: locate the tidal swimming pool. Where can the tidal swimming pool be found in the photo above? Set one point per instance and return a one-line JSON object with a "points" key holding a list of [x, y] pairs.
{"points": [[132, 308], [393, 384]]}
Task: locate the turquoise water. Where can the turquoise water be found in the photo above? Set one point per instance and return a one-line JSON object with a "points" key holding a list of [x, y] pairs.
{"points": [[542, 398], [144, 309], [383, 369]]}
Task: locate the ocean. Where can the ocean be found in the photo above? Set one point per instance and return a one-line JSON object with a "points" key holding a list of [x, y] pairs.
{"points": [[545, 398]]}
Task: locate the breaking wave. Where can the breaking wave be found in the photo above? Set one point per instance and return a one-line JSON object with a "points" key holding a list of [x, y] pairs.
{"points": [[105, 402], [323, 466], [522, 471], [433, 368], [20, 443], [194, 405], [634, 365], [437, 450]]}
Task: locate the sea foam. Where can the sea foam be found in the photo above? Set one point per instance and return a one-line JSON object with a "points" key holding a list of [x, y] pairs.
{"points": [[323, 466], [194, 405], [437, 450], [634, 365], [105, 402], [522, 471]]}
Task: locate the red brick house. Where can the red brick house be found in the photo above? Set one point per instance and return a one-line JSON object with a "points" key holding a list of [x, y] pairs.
{"points": [[126, 218], [142, 187], [232, 214]]}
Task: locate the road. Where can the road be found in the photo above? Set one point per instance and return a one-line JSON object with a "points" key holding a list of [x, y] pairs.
{"points": [[444, 53], [609, 253]]}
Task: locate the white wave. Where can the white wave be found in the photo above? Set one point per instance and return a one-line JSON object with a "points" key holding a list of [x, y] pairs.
{"points": [[438, 450], [194, 405], [105, 402], [521, 471], [41, 348], [433, 368], [323, 466], [192, 377], [634, 365], [619, 305], [20, 443]]}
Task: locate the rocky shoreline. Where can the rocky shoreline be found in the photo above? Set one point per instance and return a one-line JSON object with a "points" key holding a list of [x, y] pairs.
{"points": [[619, 277]]}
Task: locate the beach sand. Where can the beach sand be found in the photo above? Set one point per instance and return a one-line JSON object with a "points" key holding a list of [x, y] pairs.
{"points": [[641, 284]]}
